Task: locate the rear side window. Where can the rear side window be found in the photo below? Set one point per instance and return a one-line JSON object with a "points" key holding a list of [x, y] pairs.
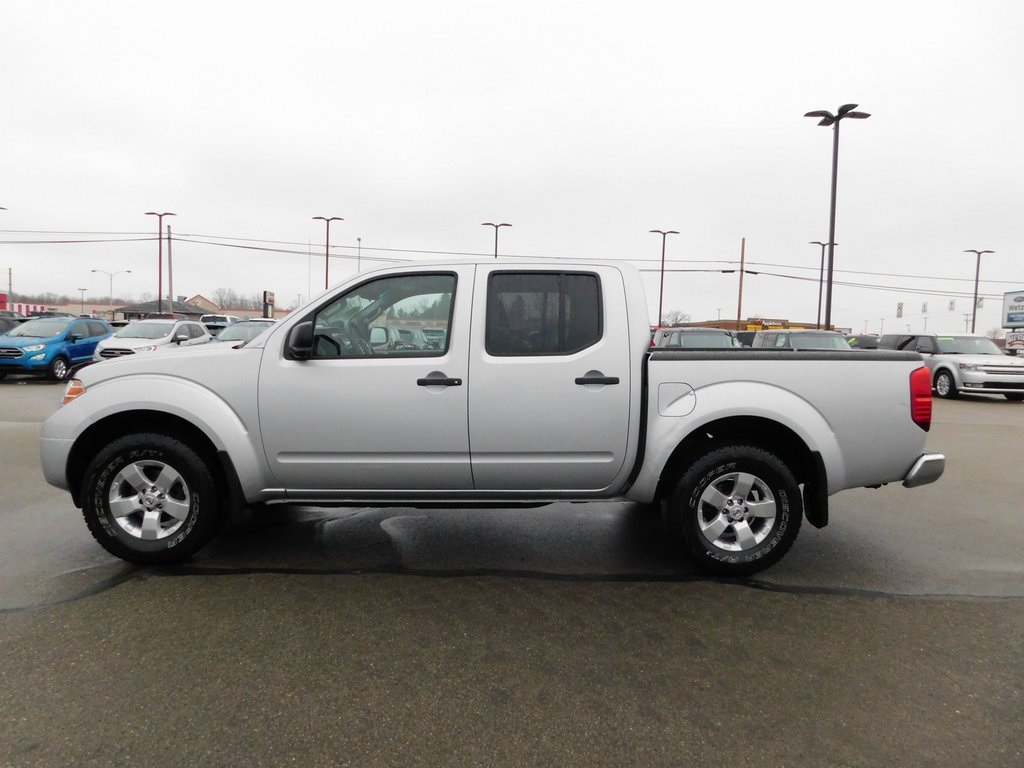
{"points": [[542, 313]]}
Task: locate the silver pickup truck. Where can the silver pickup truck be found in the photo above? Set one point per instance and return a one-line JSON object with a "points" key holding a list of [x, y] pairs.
{"points": [[543, 389]]}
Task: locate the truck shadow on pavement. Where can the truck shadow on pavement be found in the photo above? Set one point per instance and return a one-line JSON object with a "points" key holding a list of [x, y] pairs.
{"points": [[602, 540]]}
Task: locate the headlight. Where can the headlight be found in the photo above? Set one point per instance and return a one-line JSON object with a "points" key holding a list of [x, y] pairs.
{"points": [[968, 366], [34, 347], [150, 348], [74, 389]]}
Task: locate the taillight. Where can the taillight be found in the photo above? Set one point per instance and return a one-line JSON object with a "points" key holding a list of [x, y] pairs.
{"points": [[921, 398]]}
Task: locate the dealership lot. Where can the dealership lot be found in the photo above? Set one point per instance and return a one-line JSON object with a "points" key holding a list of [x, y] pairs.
{"points": [[565, 635]]}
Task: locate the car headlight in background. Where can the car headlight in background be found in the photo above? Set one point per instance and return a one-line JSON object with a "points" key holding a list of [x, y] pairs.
{"points": [[968, 366], [149, 348], [34, 348]]}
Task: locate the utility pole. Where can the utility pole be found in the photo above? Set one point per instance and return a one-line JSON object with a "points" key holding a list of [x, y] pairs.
{"points": [[739, 301], [170, 270]]}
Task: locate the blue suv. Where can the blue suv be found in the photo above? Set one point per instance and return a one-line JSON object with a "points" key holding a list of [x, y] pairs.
{"points": [[51, 346]]}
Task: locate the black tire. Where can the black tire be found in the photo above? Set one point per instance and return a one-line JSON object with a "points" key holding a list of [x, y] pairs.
{"points": [[737, 509], [59, 368], [945, 386], [166, 504]]}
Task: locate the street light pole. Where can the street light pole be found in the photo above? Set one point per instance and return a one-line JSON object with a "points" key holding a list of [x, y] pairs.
{"points": [[83, 299], [821, 274], [827, 118], [160, 257], [661, 288], [977, 274], [496, 228], [110, 296], [327, 247]]}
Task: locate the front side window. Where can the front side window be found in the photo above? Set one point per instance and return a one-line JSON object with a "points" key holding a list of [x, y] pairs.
{"points": [[542, 313], [387, 317]]}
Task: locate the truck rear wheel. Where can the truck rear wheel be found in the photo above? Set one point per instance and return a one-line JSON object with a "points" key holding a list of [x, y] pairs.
{"points": [[738, 510], [149, 498]]}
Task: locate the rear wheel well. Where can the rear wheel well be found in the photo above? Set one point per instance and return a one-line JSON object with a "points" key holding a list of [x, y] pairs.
{"points": [[776, 438], [118, 425]]}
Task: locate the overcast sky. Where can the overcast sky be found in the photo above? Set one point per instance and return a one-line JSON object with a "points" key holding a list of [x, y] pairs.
{"points": [[582, 124]]}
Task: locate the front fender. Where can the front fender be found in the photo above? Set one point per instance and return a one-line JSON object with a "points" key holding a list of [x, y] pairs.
{"points": [[111, 407]]}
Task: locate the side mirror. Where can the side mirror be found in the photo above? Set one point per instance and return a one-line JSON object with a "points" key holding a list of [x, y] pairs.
{"points": [[74, 337], [378, 336], [180, 338], [300, 341]]}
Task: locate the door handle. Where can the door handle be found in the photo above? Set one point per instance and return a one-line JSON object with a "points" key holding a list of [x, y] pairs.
{"points": [[596, 377], [438, 379]]}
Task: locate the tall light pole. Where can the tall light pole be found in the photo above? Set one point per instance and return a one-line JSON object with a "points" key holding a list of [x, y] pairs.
{"points": [[827, 118], [83, 290], [496, 228], [327, 247], [359, 253], [160, 257], [661, 287], [821, 274], [110, 296], [977, 274]]}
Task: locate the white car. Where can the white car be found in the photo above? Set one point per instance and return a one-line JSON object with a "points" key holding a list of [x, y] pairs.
{"points": [[150, 336], [964, 363]]}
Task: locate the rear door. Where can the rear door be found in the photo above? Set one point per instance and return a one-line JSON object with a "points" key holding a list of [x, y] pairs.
{"points": [[549, 379]]}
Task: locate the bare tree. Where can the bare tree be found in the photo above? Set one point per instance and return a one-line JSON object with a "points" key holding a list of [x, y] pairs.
{"points": [[674, 317]]}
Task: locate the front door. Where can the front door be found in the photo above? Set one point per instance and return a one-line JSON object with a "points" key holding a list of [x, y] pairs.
{"points": [[367, 415]]}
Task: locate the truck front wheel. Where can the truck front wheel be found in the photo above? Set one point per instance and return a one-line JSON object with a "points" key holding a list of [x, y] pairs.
{"points": [[149, 498], [738, 510]]}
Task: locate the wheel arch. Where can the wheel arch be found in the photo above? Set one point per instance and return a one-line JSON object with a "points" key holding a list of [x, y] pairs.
{"points": [[117, 425], [807, 465]]}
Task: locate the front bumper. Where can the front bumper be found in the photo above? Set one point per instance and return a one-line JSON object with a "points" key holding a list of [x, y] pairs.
{"points": [[24, 365], [992, 380], [927, 469]]}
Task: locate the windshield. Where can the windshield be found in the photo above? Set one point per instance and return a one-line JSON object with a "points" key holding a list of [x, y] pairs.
{"points": [[145, 331], [42, 328], [967, 345], [243, 331]]}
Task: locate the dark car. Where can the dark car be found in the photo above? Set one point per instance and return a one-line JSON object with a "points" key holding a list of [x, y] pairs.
{"points": [[244, 330], [48, 313], [863, 341], [695, 338], [7, 323]]}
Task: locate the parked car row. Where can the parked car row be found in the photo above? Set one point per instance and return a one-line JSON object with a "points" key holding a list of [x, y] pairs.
{"points": [[719, 338], [54, 345]]}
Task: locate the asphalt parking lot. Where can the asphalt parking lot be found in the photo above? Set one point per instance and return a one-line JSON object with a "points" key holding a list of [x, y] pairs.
{"points": [[570, 635]]}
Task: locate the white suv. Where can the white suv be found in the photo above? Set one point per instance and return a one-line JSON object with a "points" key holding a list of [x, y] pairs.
{"points": [[151, 335], [964, 363]]}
